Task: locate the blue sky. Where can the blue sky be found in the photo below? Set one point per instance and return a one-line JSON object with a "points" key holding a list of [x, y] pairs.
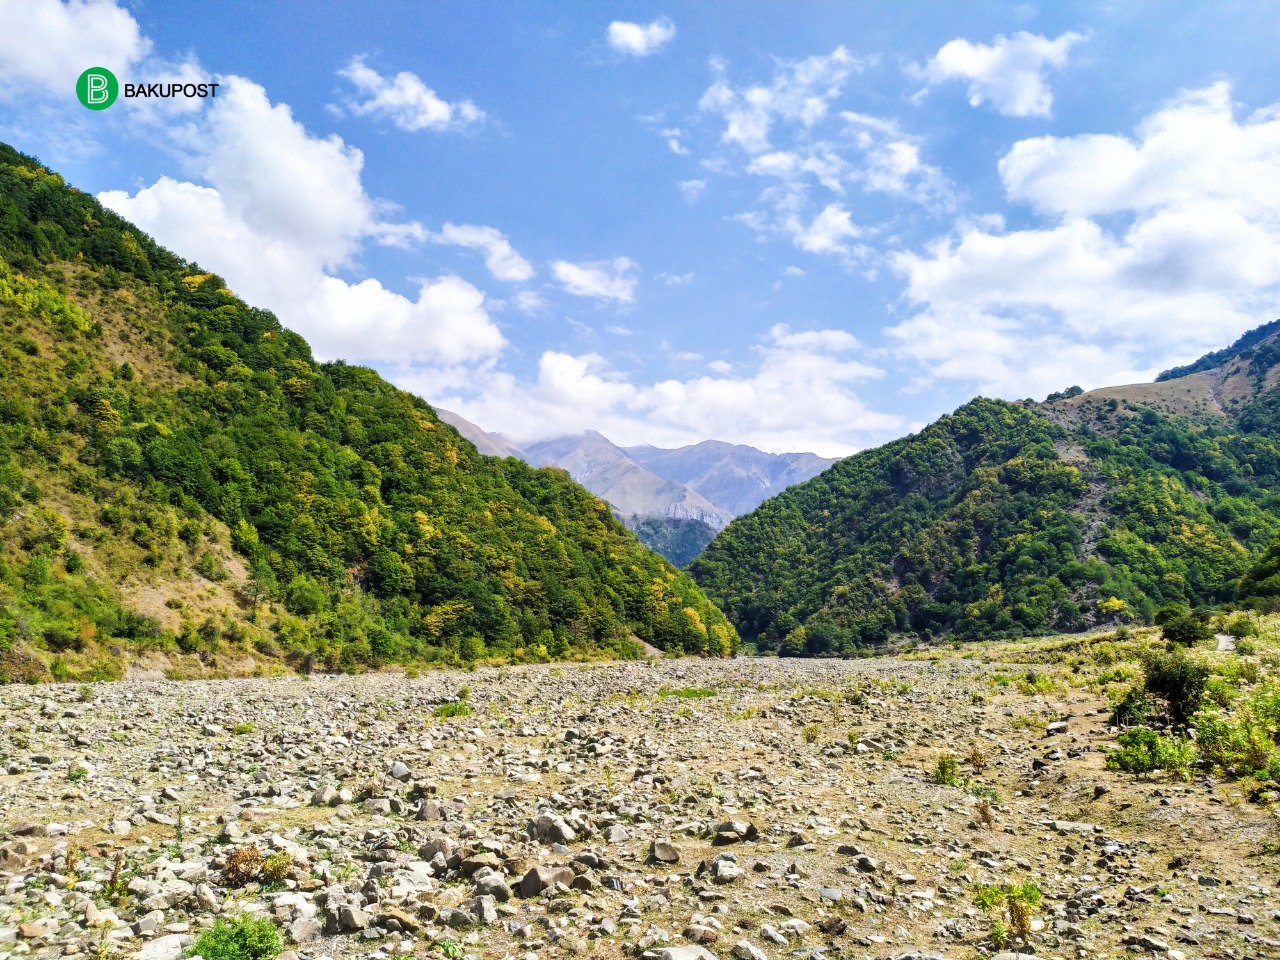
{"points": [[809, 226]]}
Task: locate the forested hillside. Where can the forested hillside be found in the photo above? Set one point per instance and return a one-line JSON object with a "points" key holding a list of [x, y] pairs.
{"points": [[1013, 519], [177, 472]]}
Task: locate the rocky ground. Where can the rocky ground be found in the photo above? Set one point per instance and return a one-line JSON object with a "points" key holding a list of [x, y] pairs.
{"points": [[610, 810]]}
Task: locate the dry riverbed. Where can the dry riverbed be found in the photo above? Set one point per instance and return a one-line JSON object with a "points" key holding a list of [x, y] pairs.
{"points": [[612, 810]]}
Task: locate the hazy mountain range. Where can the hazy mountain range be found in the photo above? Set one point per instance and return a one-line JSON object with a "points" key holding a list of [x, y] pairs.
{"points": [[685, 494]]}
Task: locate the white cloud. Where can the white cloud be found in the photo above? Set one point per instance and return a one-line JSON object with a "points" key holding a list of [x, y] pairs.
{"points": [[691, 190], [789, 133], [799, 396], [1188, 256], [829, 232], [603, 279], [640, 41], [499, 256], [1009, 72], [892, 164], [405, 100], [801, 93], [673, 135], [281, 209], [48, 44], [675, 279], [529, 302]]}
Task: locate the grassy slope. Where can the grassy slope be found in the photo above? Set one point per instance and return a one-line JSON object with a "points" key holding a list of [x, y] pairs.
{"points": [[177, 473], [1015, 519]]}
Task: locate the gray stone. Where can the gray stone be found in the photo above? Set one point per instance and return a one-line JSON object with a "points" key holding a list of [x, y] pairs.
{"points": [[678, 953], [168, 947], [746, 950], [663, 851], [541, 878]]}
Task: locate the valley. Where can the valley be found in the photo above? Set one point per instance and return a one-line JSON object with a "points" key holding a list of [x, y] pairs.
{"points": [[845, 808]]}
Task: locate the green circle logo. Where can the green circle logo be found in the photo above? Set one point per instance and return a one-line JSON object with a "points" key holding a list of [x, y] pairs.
{"points": [[97, 88]]}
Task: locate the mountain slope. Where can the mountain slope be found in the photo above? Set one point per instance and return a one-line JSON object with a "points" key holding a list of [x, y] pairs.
{"points": [[633, 490], [490, 444], [1012, 519], [157, 434], [734, 477]]}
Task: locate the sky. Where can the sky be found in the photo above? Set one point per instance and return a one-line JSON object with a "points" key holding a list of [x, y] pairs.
{"points": [[803, 226]]}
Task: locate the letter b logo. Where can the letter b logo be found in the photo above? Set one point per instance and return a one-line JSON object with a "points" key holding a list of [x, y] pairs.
{"points": [[97, 88]]}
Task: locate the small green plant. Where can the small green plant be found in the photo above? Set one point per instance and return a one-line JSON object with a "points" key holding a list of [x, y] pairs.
{"points": [[450, 948], [1000, 934], [1018, 900], [945, 770], [891, 754], [447, 711], [984, 791], [811, 733], [243, 729], [686, 693], [276, 867], [244, 938], [1145, 751], [77, 773]]}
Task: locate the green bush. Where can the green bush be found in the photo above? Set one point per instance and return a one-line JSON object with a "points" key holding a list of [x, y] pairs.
{"points": [[1238, 745], [1131, 710], [1179, 681], [245, 938], [1145, 751], [1185, 629], [945, 770]]}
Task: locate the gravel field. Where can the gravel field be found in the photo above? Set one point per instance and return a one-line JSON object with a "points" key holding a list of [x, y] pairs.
{"points": [[674, 809]]}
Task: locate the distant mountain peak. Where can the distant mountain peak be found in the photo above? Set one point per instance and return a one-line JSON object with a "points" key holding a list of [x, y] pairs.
{"points": [[708, 483]]}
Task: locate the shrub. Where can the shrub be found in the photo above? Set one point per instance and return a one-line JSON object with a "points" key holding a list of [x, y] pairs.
{"points": [[1240, 625], [1018, 899], [811, 732], [1185, 629], [945, 769], [245, 938], [243, 865], [1132, 709], [1145, 751], [275, 869], [1179, 681]]}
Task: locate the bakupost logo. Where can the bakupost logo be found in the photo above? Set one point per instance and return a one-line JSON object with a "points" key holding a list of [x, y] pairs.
{"points": [[98, 89]]}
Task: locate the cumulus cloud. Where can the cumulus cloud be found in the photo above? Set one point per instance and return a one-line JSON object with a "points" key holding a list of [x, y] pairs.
{"points": [[801, 395], [404, 100], [1009, 72], [640, 40], [788, 133], [279, 211], [46, 43], [499, 256], [1152, 249], [603, 279]]}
